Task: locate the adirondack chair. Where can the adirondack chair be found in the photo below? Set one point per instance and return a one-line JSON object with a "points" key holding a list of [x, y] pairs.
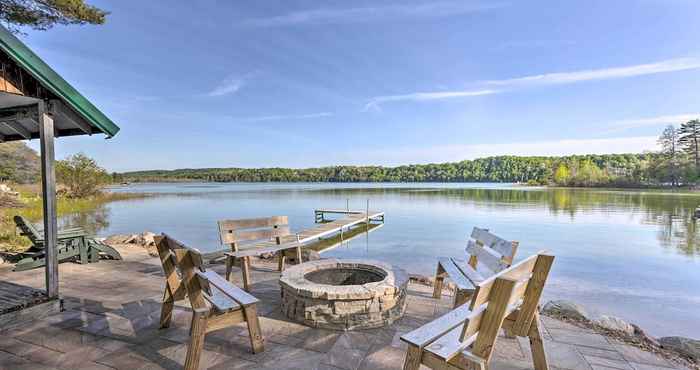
{"points": [[215, 302], [464, 338], [257, 235], [73, 244], [486, 249]]}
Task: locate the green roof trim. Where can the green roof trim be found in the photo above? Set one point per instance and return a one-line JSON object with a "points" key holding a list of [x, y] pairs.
{"points": [[51, 80]]}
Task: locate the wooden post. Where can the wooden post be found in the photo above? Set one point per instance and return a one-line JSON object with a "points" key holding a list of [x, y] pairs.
{"points": [[48, 189]]}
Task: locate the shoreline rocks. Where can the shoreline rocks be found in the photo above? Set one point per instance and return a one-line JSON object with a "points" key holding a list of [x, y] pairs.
{"points": [[685, 350]]}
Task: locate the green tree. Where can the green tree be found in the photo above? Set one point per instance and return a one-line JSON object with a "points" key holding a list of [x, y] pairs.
{"points": [[670, 152], [81, 175], [44, 14], [561, 175], [689, 139]]}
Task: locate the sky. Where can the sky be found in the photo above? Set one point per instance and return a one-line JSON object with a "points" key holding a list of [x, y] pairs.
{"points": [[315, 83]]}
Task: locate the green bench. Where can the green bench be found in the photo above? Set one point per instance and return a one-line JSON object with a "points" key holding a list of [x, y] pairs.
{"points": [[73, 244]]}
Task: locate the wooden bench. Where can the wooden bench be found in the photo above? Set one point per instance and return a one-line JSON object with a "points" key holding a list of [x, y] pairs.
{"points": [[464, 338], [73, 244], [255, 237], [486, 249], [216, 303]]}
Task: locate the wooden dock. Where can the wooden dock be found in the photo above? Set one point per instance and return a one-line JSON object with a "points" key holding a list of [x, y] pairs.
{"points": [[325, 228]]}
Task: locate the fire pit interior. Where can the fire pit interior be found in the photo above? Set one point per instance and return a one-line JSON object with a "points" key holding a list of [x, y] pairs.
{"points": [[344, 294], [344, 276]]}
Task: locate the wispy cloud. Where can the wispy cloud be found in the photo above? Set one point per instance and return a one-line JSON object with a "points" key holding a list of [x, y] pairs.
{"points": [[488, 87], [670, 65], [375, 103], [286, 117], [675, 119], [229, 85], [369, 14]]}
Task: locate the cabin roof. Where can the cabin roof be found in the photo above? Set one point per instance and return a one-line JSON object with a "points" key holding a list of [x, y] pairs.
{"points": [[25, 80]]}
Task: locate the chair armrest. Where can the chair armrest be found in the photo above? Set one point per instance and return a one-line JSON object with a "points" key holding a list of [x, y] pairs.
{"points": [[433, 330], [237, 294]]}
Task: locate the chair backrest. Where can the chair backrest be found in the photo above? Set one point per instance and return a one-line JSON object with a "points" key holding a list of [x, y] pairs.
{"points": [[181, 265], [493, 252], [28, 229], [513, 294], [235, 232]]}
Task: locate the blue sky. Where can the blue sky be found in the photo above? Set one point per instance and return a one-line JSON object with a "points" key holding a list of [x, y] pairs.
{"points": [[304, 83]]}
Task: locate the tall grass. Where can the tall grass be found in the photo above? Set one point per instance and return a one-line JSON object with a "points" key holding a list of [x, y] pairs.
{"points": [[30, 206]]}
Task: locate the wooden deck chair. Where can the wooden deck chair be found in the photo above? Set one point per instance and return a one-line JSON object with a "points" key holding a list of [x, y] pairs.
{"points": [[486, 249], [216, 303], [73, 244], [255, 233], [464, 338]]}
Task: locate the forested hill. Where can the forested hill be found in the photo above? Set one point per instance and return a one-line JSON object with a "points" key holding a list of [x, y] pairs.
{"points": [[580, 170], [18, 163]]}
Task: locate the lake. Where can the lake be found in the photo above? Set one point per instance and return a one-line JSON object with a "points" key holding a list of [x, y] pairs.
{"points": [[631, 254]]}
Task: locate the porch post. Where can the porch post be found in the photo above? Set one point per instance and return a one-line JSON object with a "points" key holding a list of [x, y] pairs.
{"points": [[48, 189]]}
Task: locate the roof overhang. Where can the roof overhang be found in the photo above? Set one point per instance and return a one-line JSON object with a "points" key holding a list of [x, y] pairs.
{"points": [[25, 80]]}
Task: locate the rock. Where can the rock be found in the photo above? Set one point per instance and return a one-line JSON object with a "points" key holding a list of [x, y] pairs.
{"points": [[685, 346], [6, 190], [644, 337], [615, 324], [565, 309], [147, 238]]}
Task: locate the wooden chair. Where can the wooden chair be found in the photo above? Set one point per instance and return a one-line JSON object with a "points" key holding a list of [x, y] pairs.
{"points": [[464, 338], [261, 234], [216, 303], [73, 244], [486, 249]]}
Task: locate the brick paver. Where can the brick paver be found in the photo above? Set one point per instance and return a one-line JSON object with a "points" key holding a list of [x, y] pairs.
{"points": [[113, 307]]}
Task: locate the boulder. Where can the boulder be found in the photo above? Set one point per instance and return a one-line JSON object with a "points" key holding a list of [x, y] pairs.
{"points": [[565, 309], [147, 239], [685, 346], [6, 190], [615, 324], [644, 337]]}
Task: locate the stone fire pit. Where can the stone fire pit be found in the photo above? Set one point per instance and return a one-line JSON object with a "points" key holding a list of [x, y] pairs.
{"points": [[344, 294]]}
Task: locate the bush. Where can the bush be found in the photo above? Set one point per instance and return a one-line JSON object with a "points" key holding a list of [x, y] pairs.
{"points": [[81, 175]]}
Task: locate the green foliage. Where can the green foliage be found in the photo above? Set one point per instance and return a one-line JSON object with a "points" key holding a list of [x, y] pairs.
{"points": [[689, 140], [561, 175], [81, 175], [44, 14], [590, 170], [18, 163]]}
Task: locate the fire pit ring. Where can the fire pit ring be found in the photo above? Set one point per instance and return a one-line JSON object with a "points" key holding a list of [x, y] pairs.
{"points": [[344, 294]]}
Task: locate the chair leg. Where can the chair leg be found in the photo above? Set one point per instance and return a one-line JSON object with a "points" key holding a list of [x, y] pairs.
{"points": [[229, 267], [461, 297], [166, 310], [539, 356], [256, 339], [83, 248], [298, 255], [197, 333], [439, 278], [280, 261], [245, 269], [413, 355]]}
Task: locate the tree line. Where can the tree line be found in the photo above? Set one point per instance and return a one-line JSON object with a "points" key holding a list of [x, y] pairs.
{"points": [[574, 170]]}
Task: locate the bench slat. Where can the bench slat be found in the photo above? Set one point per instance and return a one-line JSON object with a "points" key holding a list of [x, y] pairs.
{"points": [[257, 251], [486, 256], [455, 274], [429, 332], [239, 295], [468, 271]]}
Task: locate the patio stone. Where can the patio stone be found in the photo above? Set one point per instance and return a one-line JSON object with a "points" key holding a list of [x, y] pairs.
{"points": [[113, 323]]}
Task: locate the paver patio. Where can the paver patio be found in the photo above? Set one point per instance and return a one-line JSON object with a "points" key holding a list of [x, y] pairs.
{"points": [[113, 309]]}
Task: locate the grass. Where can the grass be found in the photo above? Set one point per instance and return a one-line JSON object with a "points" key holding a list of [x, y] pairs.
{"points": [[29, 205]]}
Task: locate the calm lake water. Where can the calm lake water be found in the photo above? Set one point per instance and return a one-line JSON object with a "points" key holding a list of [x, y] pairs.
{"points": [[632, 254]]}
